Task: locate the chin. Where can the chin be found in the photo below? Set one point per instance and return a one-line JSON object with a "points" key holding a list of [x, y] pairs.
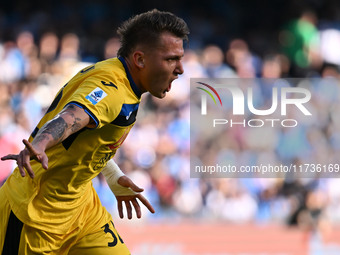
{"points": [[159, 95]]}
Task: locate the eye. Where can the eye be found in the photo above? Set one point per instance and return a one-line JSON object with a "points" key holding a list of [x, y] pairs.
{"points": [[173, 58]]}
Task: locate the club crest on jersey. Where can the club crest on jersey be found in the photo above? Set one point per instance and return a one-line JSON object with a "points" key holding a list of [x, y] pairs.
{"points": [[96, 95]]}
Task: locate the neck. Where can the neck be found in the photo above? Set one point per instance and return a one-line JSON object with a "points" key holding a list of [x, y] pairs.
{"points": [[135, 73]]}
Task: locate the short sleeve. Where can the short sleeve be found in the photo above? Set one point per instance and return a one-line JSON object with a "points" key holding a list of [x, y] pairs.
{"points": [[101, 100]]}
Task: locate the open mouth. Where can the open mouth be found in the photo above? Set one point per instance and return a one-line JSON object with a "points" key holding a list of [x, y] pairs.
{"points": [[169, 87]]}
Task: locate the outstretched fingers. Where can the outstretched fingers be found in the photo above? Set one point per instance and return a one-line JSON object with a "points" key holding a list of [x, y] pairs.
{"points": [[120, 208], [30, 148], [10, 157], [34, 154], [24, 163], [137, 208], [128, 209], [24, 157], [146, 203], [134, 200]]}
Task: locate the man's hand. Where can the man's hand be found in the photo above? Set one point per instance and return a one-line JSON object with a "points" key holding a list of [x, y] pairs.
{"points": [[24, 157], [126, 182], [70, 120]]}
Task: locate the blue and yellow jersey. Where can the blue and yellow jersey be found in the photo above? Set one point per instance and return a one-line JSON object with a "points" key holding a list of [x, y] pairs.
{"points": [[56, 198]]}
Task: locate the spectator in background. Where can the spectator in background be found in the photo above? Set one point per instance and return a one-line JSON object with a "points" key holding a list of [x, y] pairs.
{"points": [[241, 59], [25, 44], [48, 47], [69, 47], [167, 122], [111, 47], [213, 62], [300, 42], [12, 63], [272, 67]]}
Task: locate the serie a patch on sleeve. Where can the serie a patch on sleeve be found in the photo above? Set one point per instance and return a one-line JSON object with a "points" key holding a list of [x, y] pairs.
{"points": [[96, 95]]}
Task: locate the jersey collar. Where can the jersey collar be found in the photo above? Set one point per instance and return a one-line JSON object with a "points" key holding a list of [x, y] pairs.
{"points": [[132, 83]]}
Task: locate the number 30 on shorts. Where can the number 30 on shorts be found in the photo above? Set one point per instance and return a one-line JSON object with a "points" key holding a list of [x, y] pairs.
{"points": [[107, 229]]}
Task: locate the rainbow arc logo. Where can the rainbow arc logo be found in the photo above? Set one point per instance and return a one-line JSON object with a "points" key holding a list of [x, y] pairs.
{"points": [[209, 93]]}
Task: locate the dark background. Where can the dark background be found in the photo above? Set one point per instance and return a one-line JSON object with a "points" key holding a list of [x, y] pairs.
{"points": [[215, 21]]}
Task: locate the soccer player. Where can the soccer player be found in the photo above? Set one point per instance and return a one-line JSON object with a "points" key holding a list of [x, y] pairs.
{"points": [[56, 210]]}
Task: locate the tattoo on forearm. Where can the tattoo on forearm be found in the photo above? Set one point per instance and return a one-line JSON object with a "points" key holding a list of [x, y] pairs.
{"points": [[59, 128], [55, 127], [40, 137]]}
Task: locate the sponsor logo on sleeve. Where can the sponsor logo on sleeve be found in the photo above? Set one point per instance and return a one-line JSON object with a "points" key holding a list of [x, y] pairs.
{"points": [[96, 96]]}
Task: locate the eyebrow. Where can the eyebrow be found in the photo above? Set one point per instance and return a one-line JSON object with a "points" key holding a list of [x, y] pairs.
{"points": [[174, 56]]}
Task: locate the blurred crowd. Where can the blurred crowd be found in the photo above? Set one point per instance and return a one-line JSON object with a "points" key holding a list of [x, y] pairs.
{"points": [[35, 64]]}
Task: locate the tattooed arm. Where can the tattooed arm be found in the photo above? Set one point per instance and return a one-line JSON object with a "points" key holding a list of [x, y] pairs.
{"points": [[70, 120]]}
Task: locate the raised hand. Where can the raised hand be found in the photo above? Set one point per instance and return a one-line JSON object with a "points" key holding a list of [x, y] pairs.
{"points": [[24, 157]]}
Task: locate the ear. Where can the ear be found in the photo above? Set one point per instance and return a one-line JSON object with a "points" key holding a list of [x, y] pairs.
{"points": [[138, 59]]}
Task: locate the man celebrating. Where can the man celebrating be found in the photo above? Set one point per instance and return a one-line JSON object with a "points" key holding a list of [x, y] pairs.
{"points": [[56, 210]]}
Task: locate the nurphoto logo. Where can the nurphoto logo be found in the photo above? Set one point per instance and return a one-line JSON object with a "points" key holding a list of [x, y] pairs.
{"points": [[255, 128], [243, 101]]}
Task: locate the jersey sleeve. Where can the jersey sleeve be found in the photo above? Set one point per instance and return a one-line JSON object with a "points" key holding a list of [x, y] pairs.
{"points": [[101, 100]]}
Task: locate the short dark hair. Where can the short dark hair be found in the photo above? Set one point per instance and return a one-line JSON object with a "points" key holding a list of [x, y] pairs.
{"points": [[146, 28]]}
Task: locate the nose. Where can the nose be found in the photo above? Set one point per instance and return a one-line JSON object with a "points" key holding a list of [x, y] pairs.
{"points": [[179, 68]]}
